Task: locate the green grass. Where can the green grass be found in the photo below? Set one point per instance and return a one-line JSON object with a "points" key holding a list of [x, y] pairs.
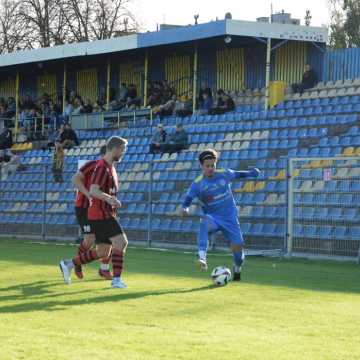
{"points": [[282, 310]]}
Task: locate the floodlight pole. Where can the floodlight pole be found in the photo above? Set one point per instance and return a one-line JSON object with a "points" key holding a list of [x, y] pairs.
{"points": [[267, 79], [64, 88], [146, 77], [195, 75], [108, 79]]}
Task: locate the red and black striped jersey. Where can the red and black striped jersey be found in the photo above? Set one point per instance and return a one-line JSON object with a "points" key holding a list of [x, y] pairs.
{"points": [[105, 176], [87, 169]]}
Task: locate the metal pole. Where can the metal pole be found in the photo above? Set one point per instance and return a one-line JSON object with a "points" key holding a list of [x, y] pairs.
{"points": [[146, 74], [64, 87], [267, 80], [151, 118], [17, 88], [43, 225], [149, 238], [195, 76], [290, 204], [108, 83]]}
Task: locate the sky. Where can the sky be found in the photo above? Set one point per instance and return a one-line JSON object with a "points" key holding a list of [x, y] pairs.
{"points": [[149, 13]]}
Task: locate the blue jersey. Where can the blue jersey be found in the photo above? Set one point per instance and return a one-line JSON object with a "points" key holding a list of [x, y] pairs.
{"points": [[215, 194]]}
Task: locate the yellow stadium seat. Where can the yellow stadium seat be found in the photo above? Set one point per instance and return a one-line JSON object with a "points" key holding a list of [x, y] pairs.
{"points": [[260, 185], [349, 151], [249, 187], [357, 152]]}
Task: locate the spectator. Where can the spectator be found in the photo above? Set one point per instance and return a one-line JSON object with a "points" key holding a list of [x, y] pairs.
{"points": [[177, 141], [6, 140], [204, 90], [225, 104], [158, 139], [58, 163], [206, 104], [68, 110], [309, 80], [97, 107], [167, 109], [184, 108], [123, 93], [68, 137], [88, 108], [78, 106]]}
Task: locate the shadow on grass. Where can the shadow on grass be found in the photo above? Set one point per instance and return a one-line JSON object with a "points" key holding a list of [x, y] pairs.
{"points": [[56, 305], [302, 274]]}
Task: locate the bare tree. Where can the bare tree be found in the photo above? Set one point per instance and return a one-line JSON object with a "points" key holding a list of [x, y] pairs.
{"points": [[97, 19], [12, 32]]}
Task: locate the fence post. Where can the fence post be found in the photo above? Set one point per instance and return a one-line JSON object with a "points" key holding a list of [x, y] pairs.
{"points": [[149, 237], [290, 205], [43, 225]]}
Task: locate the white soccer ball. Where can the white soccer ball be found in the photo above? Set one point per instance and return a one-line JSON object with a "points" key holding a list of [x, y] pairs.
{"points": [[221, 275]]}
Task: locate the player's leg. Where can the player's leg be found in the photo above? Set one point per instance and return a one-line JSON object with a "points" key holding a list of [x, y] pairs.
{"points": [[207, 226], [104, 270], [233, 233], [89, 238]]}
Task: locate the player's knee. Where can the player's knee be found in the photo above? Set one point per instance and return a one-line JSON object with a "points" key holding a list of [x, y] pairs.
{"points": [[236, 247], [119, 242], [89, 240]]}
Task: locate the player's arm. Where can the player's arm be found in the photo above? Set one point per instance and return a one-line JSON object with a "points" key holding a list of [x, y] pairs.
{"points": [[78, 181], [192, 193], [96, 193], [233, 174]]}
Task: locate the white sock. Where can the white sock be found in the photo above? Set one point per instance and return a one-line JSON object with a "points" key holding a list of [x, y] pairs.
{"points": [[202, 255], [105, 267], [237, 269], [70, 264]]}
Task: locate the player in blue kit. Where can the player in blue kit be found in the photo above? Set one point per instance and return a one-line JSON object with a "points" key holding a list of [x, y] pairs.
{"points": [[213, 189]]}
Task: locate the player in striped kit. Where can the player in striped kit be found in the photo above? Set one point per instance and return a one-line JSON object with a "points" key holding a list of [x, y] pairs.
{"points": [[81, 180], [109, 235]]}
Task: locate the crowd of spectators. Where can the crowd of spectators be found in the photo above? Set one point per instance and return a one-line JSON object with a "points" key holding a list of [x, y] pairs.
{"points": [[161, 142]]}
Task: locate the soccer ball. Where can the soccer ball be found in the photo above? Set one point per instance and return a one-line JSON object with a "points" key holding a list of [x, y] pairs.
{"points": [[221, 275]]}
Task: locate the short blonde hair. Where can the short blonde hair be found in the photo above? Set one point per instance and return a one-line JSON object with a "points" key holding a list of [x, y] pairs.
{"points": [[115, 142]]}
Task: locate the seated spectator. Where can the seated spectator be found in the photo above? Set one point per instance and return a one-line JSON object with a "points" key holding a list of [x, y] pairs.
{"points": [[22, 136], [158, 139], [309, 80], [11, 108], [167, 109], [78, 106], [68, 110], [88, 108], [97, 107], [58, 163], [185, 107], [68, 137], [205, 105], [123, 93], [177, 141], [6, 140], [225, 104], [204, 90]]}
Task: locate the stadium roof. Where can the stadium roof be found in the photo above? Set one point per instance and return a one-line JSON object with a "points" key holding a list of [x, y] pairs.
{"points": [[189, 33]]}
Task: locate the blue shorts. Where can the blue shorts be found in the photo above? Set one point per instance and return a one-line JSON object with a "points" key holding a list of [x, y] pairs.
{"points": [[229, 227]]}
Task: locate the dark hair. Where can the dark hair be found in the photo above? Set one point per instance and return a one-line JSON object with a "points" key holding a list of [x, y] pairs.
{"points": [[208, 155], [102, 150]]}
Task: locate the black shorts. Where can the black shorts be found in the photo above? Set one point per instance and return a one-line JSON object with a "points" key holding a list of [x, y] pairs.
{"points": [[82, 219], [105, 229]]}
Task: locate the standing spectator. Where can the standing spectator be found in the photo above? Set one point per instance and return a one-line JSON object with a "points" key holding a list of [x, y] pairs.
{"points": [[58, 163], [309, 80], [68, 137], [6, 140], [158, 139], [177, 141]]}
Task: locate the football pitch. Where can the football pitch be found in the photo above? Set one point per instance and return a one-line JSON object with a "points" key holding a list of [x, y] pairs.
{"points": [[283, 309]]}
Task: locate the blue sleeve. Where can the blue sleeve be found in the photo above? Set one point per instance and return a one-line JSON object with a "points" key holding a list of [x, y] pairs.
{"points": [[232, 174], [192, 193]]}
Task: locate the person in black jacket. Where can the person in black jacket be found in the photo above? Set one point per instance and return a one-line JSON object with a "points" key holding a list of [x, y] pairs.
{"points": [[309, 80], [6, 140], [68, 137]]}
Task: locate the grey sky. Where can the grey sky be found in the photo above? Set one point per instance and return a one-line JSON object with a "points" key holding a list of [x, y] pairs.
{"points": [[152, 12]]}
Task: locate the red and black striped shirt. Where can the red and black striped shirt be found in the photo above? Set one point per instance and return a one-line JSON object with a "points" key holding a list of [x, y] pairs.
{"points": [[105, 176], [87, 169]]}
